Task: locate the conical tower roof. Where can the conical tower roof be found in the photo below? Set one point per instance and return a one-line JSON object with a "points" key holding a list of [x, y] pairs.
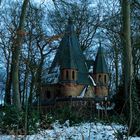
{"points": [[67, 55], [70, 55], [100, 65]]}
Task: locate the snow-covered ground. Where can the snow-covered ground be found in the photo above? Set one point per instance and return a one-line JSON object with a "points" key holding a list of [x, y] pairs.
{"points": [[84, 131]]}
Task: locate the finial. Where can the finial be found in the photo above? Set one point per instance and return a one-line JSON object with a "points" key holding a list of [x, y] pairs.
{"points": [[70, 21], [100, 44]]}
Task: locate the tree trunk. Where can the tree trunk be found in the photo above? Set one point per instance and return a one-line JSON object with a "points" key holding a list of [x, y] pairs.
{"points": [[7, 99], [128, 66], [39, 74], [32, 85], [15, 56], [25, 88], [8, 85], [131, 109], [127, 59], [116, 62]]}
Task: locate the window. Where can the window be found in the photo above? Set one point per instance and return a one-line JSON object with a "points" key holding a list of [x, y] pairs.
{"points": [[58, 93], [48, 94], [105, 79], [73, 75], [62, 75], [67, 74], [99, 78]]}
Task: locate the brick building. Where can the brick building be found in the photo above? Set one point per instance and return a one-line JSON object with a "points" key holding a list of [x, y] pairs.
{"points": [[71, 75]]}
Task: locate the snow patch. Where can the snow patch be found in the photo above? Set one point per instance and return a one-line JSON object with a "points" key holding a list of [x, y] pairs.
{"points": [[93, 82], [86, 131], [83, 92]]}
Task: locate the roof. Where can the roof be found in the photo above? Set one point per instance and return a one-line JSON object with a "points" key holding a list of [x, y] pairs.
{"points": [[70, 56], [100, 65], [90, 63]]}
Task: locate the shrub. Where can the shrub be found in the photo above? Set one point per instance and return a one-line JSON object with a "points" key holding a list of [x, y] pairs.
{"points": [[13, 122]]}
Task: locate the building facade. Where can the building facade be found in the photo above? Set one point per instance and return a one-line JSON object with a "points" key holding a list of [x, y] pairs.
{"points": [[71, 75]]}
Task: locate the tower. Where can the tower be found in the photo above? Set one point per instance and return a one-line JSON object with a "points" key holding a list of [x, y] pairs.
{"points": [[100, 74], [67, 56], [68, 74]]}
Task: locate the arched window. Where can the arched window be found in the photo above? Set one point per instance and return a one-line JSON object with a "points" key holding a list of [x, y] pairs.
{"points": [[73, 75], [105, 79], [67, 74], [99, 77], [48, 94]]}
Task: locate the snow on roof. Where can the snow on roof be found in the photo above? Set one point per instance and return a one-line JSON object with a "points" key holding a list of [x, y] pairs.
{"points": [[82, 94], [90, 69], [93, 82]]}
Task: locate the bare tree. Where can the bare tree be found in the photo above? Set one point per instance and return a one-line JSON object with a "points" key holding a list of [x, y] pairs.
{"points": [[7, 34], [132, 110], [85, 17], [15, 55]]}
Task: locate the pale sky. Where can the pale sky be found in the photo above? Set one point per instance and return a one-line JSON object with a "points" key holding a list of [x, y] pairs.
{"points": [[50, 2]]}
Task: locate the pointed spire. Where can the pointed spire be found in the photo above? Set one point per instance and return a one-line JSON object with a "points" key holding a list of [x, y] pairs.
{"points": [[100, 63], [70, 26], [70, 56], [70, 21], [68, 60]]}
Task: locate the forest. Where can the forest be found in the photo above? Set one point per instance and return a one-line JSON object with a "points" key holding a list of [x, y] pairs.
{"points": [[30, 32]]}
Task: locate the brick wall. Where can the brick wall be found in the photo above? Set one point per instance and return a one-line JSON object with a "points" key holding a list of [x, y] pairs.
{"points": [[62, 90]]}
